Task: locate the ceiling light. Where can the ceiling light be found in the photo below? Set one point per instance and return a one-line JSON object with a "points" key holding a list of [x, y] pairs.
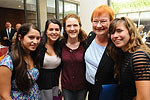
{"points": [[19, 6]]}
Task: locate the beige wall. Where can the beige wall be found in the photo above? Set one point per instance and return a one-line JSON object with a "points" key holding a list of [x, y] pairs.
{"points": [[86, 9], [43, 13]]}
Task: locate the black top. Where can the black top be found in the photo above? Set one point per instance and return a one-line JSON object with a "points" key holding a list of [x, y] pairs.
{"points": [[48, 78], [133, 70]]}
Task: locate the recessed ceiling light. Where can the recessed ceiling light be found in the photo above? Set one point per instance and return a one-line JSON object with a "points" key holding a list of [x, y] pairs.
{"points": [[19, 6]]}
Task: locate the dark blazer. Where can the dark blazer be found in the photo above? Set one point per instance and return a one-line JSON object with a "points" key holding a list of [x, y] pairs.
{"points": [[105, 71], [4, 34]]}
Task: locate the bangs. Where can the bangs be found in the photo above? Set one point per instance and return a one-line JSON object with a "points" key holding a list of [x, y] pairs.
{"points": [[102, 9], [98, 12], [113, 26]]}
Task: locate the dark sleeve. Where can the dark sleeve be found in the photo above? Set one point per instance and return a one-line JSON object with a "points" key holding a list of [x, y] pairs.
{"points": [[3, 34], [141, 63], [89, 39], [42, 53]]}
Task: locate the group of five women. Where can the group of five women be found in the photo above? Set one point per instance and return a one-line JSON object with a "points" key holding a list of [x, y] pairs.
{"points": [[113, 53]]}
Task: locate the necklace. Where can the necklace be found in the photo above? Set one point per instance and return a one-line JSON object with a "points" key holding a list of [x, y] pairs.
{"points": [[73, 45]]}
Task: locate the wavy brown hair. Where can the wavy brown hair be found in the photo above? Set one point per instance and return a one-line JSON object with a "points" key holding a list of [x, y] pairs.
{"points": [[20, 72], [82, 34], [135, 42]]}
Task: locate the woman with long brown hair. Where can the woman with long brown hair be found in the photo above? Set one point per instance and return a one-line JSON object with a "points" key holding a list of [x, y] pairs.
{"points": [[73, 69], [19, 69], [131, 58]]}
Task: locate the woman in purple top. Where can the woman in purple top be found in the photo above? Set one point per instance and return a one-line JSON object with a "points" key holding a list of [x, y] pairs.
{"points": [[73, 68]]}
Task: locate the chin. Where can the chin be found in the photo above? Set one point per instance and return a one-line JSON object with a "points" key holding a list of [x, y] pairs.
{"points": [[32, 49], [118, 46], [100, 32], [73, 36]]}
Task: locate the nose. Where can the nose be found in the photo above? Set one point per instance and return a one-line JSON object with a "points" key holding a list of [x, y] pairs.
{"points": [[35, 41], [72, 27], [53, 31], [114, 35], [99, 24]]}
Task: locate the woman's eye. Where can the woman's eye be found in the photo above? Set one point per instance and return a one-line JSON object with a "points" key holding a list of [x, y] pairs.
{"points": [[50, 29], [31, 37], [119, 30], [38, 38], [56, 29]]}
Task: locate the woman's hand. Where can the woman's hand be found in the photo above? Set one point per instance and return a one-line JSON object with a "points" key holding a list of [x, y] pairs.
{"points": [[60, 88]]}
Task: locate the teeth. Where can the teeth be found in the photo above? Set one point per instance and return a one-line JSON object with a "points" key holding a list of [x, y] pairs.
{"points": [[54, 37], [117, 40]]}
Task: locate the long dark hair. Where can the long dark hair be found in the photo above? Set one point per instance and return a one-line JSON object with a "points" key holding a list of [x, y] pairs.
{"points": [[57, 42], [21, 74]]}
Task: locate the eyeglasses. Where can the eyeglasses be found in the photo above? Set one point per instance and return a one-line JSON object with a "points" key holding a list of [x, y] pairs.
{"points": [[96, 22]]}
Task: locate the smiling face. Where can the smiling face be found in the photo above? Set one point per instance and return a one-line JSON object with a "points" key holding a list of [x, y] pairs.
{"points": [[31, 40], [101, 24], [121, 36], [72, 27], [53, 32]]}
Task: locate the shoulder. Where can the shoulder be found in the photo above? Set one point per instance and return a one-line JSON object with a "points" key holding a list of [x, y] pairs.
{"points": [[62, 42], [140, 54], [140, 59], [13, 30], [91, 34], [141, 64], [3, 31], [7, 61], [90, 38]]}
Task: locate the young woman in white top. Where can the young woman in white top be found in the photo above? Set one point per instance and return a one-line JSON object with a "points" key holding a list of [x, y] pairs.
{"points": [[50, 60]]}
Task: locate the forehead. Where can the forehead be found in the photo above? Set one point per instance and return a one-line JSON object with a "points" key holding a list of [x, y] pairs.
{"points": [[33, 32], [7, 22], [52, 25], [102, 16], [120, 24], [18, 24], [71, 21]]}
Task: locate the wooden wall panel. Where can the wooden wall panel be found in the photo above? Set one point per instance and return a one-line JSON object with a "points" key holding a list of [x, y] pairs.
{"points": [[13, 15]]}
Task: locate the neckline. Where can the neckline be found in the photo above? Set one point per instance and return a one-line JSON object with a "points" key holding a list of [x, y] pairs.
{"points": [[72, 48], [99, 44], [50, 55]]}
